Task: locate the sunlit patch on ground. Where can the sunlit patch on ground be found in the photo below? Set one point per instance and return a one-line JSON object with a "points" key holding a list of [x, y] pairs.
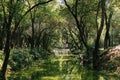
{"points": [[1, 57], [63, 67], [1, 63], [51, 78]]}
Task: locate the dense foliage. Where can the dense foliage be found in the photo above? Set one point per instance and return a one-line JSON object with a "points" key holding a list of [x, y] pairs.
{"points": [[31, 30]]}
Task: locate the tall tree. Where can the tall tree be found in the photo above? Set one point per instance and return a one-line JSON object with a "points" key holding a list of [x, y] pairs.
{"points": [[101, 5], [79, 13], [32, 16], [79, 9], [8, 21], [108, 18]]}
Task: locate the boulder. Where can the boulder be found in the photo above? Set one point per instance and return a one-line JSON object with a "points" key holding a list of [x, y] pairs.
{"points": [[111, 60]]}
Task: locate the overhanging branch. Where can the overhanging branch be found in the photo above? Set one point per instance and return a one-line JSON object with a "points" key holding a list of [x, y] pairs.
{"points": [[36, 5]]}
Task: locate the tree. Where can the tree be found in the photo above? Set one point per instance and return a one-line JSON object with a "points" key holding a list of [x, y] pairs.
{"points": [[32, 16], [108, 19], [8, 21], [99, 32], [79, 14]]}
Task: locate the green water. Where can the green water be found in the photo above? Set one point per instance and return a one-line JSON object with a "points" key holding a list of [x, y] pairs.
{"points": [[61, 67]]}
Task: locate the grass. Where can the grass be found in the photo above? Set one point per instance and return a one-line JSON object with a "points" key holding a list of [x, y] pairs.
{"points": [[1, 61], [63, 67], [1, 58]]}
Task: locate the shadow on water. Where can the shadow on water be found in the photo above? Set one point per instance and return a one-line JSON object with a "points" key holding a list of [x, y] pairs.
{"points": [[60, 68]]}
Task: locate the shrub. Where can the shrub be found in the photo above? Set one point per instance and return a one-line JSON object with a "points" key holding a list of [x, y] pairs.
{"points": [[20, 58], [39, 53], [35, 53]]}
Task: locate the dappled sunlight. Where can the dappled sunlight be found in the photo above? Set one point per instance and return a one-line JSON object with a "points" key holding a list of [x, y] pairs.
{"points": [[50, 78], [1, 58], [58, 68]]}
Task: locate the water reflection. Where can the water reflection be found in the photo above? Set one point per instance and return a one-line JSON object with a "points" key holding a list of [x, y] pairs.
{"points": [[60, 68]]}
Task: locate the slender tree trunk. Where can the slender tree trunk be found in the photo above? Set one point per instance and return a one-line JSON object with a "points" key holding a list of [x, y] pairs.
{"points": [[107, 34], [7, 54], [7, 44], [32, 16], [107, 40], [1, 43], [33, 32], [97, 44]]}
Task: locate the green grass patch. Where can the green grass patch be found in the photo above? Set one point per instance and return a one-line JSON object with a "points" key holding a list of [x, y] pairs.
{"points": [[59, 68]]}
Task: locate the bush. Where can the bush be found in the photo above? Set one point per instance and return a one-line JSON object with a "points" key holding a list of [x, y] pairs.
{"points": [[39, 53], [35, 53], [20, 58]]}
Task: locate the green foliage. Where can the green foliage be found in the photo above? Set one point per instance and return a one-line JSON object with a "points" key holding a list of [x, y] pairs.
{"points": [[60, 68], [23, 58], [35, 54], [20, 59], [39, 53], [19, 78], [54, 27]]}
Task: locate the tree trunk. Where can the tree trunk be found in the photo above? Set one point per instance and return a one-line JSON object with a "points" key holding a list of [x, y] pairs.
{"points": [[32, 16], [107, 40], [7, 44], [1, 43], [107, 35], [33, 32], [7, 54], [97, 44]]}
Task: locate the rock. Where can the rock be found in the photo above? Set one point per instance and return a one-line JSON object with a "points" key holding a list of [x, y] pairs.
{"points": [[112, 59]]}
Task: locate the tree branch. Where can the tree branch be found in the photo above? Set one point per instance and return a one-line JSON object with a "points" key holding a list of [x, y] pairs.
{"points": [[40, 3], [76, 6], [4, 13], [69, 8]]}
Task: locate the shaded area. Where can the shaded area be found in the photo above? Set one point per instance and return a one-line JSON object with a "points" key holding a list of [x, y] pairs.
{"points": [[62, 67], [110, 60]]}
